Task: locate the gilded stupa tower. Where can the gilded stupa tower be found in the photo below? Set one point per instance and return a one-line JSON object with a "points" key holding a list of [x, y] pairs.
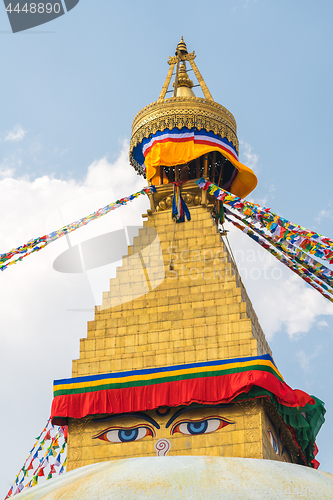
{"points": [[177, 311], [175, 363]]}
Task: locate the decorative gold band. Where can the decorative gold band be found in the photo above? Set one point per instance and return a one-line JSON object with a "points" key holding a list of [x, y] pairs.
{"points": [[179, 112]]}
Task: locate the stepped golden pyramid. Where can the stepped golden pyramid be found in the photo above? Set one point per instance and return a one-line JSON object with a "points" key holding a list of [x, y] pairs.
{"points": [[183, 320], [175, 391]]}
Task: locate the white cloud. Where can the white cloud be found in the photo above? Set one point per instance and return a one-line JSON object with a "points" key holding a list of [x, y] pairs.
{"points": [[251, 160], [15, 135], [324, 214], [278, 295], [243, 4], [306, 359], [250, 157], [9, 164], [322, 323], [39, 334], [263, 201], [6, 172]]}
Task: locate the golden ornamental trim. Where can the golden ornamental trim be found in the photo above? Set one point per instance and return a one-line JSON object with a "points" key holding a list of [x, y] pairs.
{"points": [[189, 103], [182, 112]]}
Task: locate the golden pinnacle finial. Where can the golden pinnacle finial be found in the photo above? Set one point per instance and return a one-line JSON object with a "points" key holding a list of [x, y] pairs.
{"points": [[183, 79], [181, 48]]}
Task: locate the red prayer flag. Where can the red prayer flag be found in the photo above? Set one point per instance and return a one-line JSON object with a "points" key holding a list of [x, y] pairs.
{"points": [[30, 466], [41, 471]]}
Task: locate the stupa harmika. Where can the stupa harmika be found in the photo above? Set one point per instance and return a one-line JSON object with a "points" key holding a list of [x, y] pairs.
{"points": [[175, 375]]}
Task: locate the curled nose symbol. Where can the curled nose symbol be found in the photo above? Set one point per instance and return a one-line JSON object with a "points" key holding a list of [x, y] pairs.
{"points": [[162, 446]]}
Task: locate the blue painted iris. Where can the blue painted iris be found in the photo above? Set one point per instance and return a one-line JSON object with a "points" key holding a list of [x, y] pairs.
{"points": [[126, 435], [197, 427]]}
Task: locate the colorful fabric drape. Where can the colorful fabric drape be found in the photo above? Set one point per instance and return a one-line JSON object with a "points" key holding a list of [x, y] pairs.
{"points": [[179, 207], [47, 459], [293, 245], [6, 259], [212, 382], [180, 146]]}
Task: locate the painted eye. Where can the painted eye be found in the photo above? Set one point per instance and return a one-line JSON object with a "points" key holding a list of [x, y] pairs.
{"points": [[125, 434], [204, 426], [274, 442]]}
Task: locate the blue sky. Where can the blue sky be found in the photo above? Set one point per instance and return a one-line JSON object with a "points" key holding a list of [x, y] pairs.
{"points": [[69, 92]]}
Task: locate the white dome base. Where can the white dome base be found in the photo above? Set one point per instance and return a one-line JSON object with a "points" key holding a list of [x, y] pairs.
{"points": [[187, 477]]}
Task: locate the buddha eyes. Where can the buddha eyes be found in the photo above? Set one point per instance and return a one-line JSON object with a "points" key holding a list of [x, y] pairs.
{"points": [[203, 426], [186, 427], [125, 434]]}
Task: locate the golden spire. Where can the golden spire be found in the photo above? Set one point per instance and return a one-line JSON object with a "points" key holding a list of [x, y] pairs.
{"points": [[181, 50], [182, 55], [183, 79], [183, 83]]}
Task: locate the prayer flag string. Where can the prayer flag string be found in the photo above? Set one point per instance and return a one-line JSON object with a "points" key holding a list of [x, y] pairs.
{"points": [[296, 268], [44, 463], [36, 244], [293, 245], [311, 265], [281, 229]]}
